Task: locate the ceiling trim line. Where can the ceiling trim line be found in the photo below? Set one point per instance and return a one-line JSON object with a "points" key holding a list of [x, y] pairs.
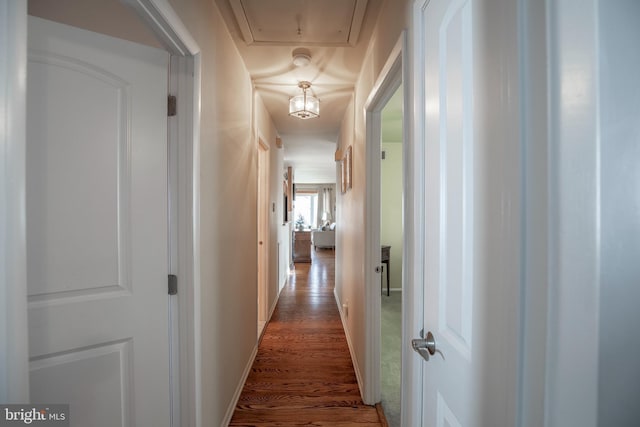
{"points": [[356, 22], [241, 19]]}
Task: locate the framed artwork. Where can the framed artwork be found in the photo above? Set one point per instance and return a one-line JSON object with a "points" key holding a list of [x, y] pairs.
{"points": [[347, 165], [343, 176], [345, 170]]}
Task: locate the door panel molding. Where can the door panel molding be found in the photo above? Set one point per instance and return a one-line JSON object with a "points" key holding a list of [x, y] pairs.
{"points": [[456, 177], [112, 357], [48, 284]]}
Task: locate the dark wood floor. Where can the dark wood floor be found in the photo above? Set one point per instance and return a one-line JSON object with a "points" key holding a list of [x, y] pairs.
{"points": [[303, 373]]}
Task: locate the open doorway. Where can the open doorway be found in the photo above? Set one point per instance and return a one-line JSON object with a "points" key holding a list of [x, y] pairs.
{"points": [[389, 85], [392, 243]]}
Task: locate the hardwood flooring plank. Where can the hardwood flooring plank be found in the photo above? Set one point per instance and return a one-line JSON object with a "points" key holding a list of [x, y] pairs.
{"points": [[307, 424], [357, 414], [303, 374]]}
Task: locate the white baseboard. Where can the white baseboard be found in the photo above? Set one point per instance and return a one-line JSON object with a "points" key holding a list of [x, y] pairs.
{"points": [[354, 361], [247, 369], [276, 299], [238, 392]]}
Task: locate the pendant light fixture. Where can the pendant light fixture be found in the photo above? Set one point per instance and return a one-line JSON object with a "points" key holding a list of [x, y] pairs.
{"points": [[304, 106]]}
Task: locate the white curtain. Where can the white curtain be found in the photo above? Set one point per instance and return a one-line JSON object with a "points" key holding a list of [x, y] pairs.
{"points": [[320, 212], [327, 204]]}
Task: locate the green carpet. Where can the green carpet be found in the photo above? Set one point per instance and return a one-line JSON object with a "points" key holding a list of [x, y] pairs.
{"points": [[390, 357]]}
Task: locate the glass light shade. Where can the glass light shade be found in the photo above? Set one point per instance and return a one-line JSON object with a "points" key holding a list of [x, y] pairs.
{"points": [[304, 106]]}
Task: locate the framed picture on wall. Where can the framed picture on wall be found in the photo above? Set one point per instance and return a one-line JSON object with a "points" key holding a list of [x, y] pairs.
{"points": [[348, 168], [343, 177]]}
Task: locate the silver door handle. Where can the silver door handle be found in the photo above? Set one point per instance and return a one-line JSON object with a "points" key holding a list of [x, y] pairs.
{"points": [[426, 347]]}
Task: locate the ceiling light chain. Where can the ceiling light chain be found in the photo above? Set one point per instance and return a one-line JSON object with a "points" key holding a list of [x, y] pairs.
{"points": [[299, 18]]}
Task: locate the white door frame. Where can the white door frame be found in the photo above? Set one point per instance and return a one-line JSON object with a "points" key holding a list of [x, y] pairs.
{"points": [[14, 363], [185, 77], [165, 23], [533, 47], [574, 228], [394, 73], [264, 237]]}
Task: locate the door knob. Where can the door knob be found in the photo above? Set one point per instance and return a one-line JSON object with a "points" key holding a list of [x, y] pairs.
{"points": [[425, 347]]}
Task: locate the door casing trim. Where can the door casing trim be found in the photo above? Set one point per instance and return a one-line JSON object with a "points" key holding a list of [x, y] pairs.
{"points": [[185, 74], [14, 365], [395, 72]]}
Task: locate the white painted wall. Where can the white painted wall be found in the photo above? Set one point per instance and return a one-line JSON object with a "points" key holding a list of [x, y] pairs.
{"points": [[350, 237], [350, 248], [110, 17], [278, 232], [228, 210], [311, 156]]}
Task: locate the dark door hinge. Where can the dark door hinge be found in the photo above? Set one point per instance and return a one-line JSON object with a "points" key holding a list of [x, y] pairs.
{"points": [[173, 284], [172, 107]]}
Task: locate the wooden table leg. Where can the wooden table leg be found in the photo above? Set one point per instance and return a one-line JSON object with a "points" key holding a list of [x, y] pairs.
{"points": [[386, 267]]}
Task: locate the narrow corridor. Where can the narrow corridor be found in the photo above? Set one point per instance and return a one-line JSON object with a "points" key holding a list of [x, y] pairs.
{"points": [[303, 374]]}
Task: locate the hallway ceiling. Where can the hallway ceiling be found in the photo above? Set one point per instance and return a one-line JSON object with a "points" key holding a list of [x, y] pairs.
{"points": [[336, 32], [323, 23]]}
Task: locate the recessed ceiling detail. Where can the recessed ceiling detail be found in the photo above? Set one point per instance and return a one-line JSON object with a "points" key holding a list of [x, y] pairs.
{"points": [[291, 22]]}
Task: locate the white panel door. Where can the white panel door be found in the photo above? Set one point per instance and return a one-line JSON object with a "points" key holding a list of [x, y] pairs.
{"points": [[471, 236], [97, 226]]}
